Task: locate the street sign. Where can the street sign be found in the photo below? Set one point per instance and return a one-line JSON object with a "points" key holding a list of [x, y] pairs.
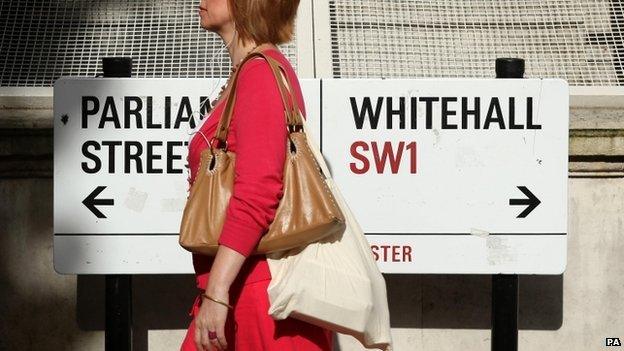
{"points": [[453, 175], [445, 175], [120, 184]]}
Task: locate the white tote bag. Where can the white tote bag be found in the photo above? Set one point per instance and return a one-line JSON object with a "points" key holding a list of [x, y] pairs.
{"points": [[334, 283]]}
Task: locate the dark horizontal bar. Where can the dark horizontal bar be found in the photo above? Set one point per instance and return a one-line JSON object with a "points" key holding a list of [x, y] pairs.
{"points": [[596, 158]]}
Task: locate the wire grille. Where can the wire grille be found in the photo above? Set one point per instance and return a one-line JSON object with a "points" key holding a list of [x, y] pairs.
{"points": [[43, 40], [580, 41]]}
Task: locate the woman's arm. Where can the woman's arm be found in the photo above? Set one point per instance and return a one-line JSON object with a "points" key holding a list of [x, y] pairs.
{"points": [[260, 130], [225, 268]]}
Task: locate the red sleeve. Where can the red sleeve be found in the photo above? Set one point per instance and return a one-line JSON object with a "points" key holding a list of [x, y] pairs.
{"points": [[260, 155]]}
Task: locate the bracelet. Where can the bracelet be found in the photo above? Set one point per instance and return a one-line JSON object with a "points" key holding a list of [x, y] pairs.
{"points": [[217, 301]]}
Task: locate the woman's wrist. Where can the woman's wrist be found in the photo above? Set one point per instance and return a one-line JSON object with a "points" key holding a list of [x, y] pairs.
{"points": [[217, 290], [221, 301]]}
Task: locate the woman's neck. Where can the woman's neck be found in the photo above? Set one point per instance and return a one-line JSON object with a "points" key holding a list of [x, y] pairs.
{"points": [[238, 51]]}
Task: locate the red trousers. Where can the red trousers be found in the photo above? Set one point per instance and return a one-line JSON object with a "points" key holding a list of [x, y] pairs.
{"points": [[249, 327]]}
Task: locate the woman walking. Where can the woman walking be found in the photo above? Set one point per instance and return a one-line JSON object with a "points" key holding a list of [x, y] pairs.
{"points": [[231, 309]]}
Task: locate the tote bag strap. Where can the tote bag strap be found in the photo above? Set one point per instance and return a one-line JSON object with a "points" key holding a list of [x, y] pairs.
{"points": [[293, 116], [311, 140]]}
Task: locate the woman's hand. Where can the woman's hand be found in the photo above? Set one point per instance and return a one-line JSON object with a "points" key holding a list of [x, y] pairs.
{"points": [[211, 317]]}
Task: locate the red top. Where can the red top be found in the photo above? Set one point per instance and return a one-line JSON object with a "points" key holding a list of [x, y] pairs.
{"points": [[257, 135]]}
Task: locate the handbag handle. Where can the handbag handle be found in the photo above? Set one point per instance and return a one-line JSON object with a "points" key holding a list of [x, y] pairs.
{"points": [[293, 117]]}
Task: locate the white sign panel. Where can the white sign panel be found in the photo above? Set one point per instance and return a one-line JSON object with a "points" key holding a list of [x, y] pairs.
{"points": [[487, 196], [120, 184], [453, 175]]}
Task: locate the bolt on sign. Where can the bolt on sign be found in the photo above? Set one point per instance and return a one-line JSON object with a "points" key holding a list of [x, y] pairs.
{"points": [[445, 175]]}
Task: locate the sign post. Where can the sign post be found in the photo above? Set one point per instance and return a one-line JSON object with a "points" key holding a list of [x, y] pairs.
{"points": [[505, 286], [118, 301]]}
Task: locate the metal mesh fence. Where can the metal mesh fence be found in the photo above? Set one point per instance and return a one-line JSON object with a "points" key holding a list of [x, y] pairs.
{"points": [[43, 40], [580, 41]]}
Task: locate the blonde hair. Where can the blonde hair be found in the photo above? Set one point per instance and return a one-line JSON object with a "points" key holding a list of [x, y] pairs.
{"points": [[264, 21]]}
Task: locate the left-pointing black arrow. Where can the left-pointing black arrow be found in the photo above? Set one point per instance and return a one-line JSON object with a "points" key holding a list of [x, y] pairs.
{"points": [[90, 202]]}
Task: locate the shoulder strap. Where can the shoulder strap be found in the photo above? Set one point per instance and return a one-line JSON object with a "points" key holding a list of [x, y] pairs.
{"points": [[293, 116]]}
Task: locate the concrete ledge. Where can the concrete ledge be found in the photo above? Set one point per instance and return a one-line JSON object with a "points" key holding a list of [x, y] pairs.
{"points": [[611, 97], [596, 142], [26, 111]]}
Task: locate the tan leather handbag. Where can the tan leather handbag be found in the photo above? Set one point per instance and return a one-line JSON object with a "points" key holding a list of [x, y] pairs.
{"points": [[307, 211]]}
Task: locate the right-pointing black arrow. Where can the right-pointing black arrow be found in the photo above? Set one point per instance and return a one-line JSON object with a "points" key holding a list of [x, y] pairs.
{"points": [[532, 201], [90, 202]]}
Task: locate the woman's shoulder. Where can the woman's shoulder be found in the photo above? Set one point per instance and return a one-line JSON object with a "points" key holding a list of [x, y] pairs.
{"points": [[258, 66], [254, 68], [257, 75]]}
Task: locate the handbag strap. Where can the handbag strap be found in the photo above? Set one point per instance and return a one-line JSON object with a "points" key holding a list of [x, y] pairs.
{"points": [[293, 117]]}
